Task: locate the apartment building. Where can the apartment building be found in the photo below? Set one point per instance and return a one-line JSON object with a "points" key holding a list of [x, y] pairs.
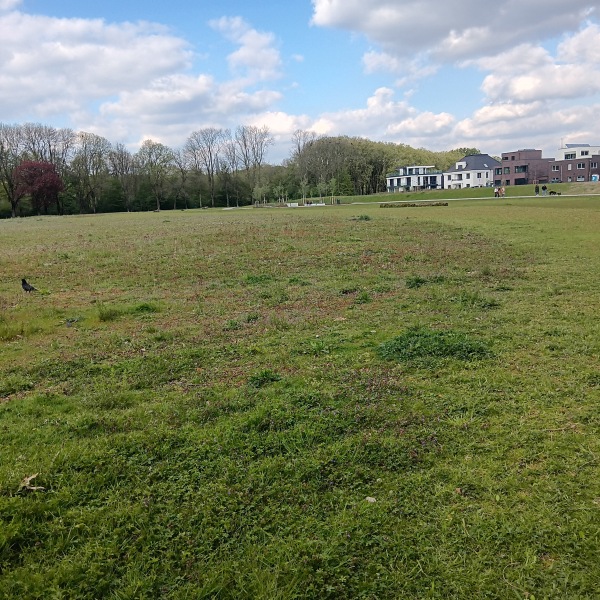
{"points": [[576, 162], [416, 177], [521, 167]]}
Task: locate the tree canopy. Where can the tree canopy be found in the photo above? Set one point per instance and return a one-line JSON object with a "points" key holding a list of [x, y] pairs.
{"points": [[41, 182], [58, 170]]}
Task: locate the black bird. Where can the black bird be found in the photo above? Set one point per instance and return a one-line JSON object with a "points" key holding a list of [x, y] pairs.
{"points": [[27, 286]]}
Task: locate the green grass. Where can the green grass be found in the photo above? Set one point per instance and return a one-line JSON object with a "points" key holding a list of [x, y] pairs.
{"points": [[209, 401], [515, 191]]}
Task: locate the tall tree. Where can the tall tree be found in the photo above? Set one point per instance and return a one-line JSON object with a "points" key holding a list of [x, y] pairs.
{"points": [[252, 143], [230, 165], [155, 160], [301, 139], [123, 165], [260, 139], [90, 167], [11, 150], [45, 143], [180, 177], [203, 147], [39, 180]]}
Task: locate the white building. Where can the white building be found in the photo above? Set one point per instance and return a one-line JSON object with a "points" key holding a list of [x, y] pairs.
{"points": [[574, 151], [417, 177], [475, 170]]}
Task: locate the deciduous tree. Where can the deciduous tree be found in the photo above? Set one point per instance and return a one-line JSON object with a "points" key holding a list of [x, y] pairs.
{"points": [[203, 147], [39, 180], [155, 160], [11, 150]]}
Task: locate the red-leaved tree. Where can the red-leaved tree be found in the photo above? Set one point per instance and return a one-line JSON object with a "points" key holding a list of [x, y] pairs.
{"points": [[41, 182]]}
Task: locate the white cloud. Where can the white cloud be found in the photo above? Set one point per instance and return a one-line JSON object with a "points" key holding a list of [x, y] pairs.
{"points": [[528, 73], [256, 54], [452, 31], [383, 118], [423, 125], [174, 106], [537, 125], [583, 47], [381, 109], [9, 4], [382, 61], [128, 80], [76, 61]]}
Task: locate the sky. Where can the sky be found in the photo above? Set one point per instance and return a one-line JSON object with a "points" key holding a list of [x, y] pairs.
{"points": [[497, 76]]}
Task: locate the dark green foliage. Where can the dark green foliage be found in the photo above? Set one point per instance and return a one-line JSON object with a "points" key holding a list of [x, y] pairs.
{"points": [[415, 281], [258, 279], [108, 313], [145, 307], [263, 378], [422, 343]]}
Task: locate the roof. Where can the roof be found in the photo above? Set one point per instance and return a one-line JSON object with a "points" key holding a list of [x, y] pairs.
{"points": [[475, 162], [577, 145]]}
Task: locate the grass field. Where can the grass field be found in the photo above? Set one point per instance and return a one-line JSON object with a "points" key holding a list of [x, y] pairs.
{"points": [[330, 402], [515, 191]]}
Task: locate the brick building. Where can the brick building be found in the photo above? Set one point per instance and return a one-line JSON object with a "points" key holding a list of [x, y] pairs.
{"points": [[522, 167], [576, 162]]}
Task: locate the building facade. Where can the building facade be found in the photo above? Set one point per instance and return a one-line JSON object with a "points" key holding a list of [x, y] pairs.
{"points": [[475, 170], [522, 167], [417, 177], [576, 163], [575, 151]]}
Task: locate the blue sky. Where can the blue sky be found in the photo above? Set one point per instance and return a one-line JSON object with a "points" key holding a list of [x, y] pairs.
{"points": [[429, 73]]}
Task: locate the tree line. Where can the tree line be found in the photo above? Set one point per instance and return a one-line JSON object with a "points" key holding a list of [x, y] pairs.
{"points": [[51, 170]]}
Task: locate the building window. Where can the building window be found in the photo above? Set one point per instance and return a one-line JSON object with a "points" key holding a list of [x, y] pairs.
{"points": [[506, 170], [478, 175], [555, 168], [585, 153], [512, 158], [505, 158], [581, 165], [468, 176], [498, 171], [580, 178], [594, 165], [570, 156], [521, 169]]}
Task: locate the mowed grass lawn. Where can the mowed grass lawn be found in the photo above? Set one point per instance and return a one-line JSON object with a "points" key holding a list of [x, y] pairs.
{"points": [[326, 402]]}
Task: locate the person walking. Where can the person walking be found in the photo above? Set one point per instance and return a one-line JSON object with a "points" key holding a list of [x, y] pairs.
{"points": [[544, 190], [537, 189]]}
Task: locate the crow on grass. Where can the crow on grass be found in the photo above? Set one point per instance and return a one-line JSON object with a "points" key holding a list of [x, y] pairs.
{"points": [[27, 286]]}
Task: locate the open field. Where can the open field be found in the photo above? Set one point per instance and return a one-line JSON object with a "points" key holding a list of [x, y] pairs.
{"points": [[329, 402]]}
